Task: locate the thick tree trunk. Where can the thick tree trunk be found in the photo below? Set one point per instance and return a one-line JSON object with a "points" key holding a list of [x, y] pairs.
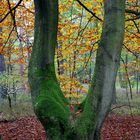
{"points": [[107, 61], [100, 96], [49, 103], [44, 41], [41, 65]]}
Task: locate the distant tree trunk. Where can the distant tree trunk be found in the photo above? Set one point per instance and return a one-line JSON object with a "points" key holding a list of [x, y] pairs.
{"points": [[2, 61], [60, 61], [49, 103], [128, 82], [114, 94], [137, 75], [2, 64]]}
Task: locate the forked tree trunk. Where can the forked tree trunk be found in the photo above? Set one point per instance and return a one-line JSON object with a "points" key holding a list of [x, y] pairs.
{"points": [[49, 103]]}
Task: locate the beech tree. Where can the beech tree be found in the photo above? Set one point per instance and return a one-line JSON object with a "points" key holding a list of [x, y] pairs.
{"points": [[50, 105]]}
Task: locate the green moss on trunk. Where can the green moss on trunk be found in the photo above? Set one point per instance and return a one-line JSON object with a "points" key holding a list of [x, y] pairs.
{"points": [[50, 105]]}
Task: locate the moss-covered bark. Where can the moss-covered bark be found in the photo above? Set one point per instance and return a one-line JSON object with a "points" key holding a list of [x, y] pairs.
{"points": [[49, 103]]}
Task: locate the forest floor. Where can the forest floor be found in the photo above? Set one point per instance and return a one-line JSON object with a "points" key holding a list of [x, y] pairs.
{"points": [[20, 123], [116, 127]]}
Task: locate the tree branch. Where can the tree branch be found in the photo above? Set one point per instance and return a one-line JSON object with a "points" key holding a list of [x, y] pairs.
{"points": [[134, 18], [137, 27], [132, 12], [1, 51], [132, 52], [10, 11], [32, 12], [136, 13], [12, 14], [93, 14]]}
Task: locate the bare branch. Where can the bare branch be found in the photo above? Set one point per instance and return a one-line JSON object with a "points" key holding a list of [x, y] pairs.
{"points": [[7, 40], [132, 52], [12, 14], [92, 13], [12, 9], [134, 18], [136, 26], [14, 19], [136, 13], [32, 12], [132, 12]]}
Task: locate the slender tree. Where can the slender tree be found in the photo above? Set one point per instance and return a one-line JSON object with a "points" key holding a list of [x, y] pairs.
{"points": [[49, 103]]}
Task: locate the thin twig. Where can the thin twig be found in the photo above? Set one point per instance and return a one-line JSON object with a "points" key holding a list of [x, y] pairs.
{"points": [[12, 9], [92, 13], [132, 12]]}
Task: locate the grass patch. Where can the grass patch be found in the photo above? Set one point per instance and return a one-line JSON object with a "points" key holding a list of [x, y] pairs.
{"points": [[126, 105], [22, 107]]}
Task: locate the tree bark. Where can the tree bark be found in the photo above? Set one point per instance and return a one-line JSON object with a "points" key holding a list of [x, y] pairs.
{"points": [[108, 58], [44, 41], [49, 103], [107, 63]]}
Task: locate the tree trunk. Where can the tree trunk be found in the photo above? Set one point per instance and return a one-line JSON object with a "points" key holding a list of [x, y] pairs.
{"points": [[2, 60], [137, 75], [107, 62], [49, 103]]}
